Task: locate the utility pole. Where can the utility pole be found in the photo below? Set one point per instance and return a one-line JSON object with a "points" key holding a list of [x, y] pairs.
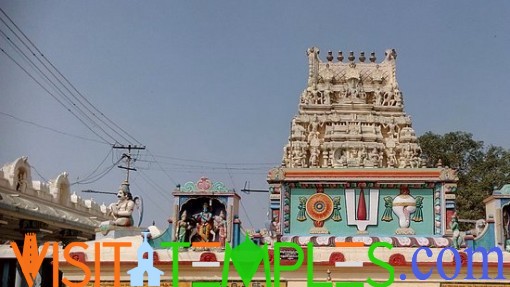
{"points": [[128, 157]]}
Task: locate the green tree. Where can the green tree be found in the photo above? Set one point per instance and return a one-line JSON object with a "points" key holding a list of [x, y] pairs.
{"points": [[480, 168]]}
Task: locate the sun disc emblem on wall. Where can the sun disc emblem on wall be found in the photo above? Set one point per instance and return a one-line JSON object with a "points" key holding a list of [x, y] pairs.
{"points": [[319, 207]]}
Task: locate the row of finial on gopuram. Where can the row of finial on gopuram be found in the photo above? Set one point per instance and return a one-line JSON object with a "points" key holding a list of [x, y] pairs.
{"points": [[331, 83], [351, 115]]}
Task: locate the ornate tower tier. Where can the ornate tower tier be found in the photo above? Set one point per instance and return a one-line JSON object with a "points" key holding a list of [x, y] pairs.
{"points": [[351, 114], [352, 169]]}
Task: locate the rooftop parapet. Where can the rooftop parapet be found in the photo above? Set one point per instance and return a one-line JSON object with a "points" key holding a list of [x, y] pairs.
{"points": [[16, 182]]}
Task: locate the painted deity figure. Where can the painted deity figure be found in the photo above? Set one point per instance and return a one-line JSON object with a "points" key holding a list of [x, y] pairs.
{"points": [[220, 224], [122, 210], [275, 226], [506, 227], [336, 209], [182, 227], [301, 216], [204, 225], [454, 225]]}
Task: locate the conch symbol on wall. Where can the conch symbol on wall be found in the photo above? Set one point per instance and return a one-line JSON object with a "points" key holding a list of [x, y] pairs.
{"points": [[319, 207], [403, 205]]}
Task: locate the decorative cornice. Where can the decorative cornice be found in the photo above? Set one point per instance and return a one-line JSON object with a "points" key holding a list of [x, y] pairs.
{"points": [[204, 184], [380, 175]]}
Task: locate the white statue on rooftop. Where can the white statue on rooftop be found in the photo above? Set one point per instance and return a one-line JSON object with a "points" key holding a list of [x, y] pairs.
{"points": [[122, 210]]}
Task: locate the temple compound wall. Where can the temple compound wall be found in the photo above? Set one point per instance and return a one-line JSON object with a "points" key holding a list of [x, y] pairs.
{"points": [[46, 208], [44, 212]]}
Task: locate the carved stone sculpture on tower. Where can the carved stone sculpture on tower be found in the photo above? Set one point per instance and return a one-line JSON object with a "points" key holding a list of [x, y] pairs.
{"points": [[351, 115]]}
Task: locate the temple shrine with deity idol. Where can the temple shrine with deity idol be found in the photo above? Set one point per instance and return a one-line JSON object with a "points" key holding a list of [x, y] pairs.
{"points": [[205, 212]]}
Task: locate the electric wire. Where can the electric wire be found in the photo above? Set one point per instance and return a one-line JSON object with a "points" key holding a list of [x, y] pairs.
{"points": [[211, 167], [156, 186], [98, 176], [81, 102], [215, 162], [65, 78], [91, 174], [25, 57], [242, 205], [79, 113], [246, 213], [155, 203], [161, 167], [204, 170], [53, 84], [49, 128], [38, 173], [53, 96]]}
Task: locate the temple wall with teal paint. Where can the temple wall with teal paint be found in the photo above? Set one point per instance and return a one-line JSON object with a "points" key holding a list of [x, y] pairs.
{"points": [[341, 228], [486, 240]]}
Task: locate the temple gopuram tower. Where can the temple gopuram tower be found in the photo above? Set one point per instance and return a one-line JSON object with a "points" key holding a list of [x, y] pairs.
{"points": [[352, 168]]}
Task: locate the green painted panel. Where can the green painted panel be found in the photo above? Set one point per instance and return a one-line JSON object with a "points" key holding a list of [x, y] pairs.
{"points": [[340, 228]]}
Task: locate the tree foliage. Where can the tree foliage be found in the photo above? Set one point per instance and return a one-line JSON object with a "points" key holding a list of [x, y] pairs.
{"points": [[480, 168]]}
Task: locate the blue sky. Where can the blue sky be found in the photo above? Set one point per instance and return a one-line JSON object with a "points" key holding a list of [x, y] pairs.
{"points": [[216, 83]]}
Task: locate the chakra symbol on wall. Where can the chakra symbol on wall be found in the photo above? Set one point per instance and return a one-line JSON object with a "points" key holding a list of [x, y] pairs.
{"points": [[319, 207]]}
